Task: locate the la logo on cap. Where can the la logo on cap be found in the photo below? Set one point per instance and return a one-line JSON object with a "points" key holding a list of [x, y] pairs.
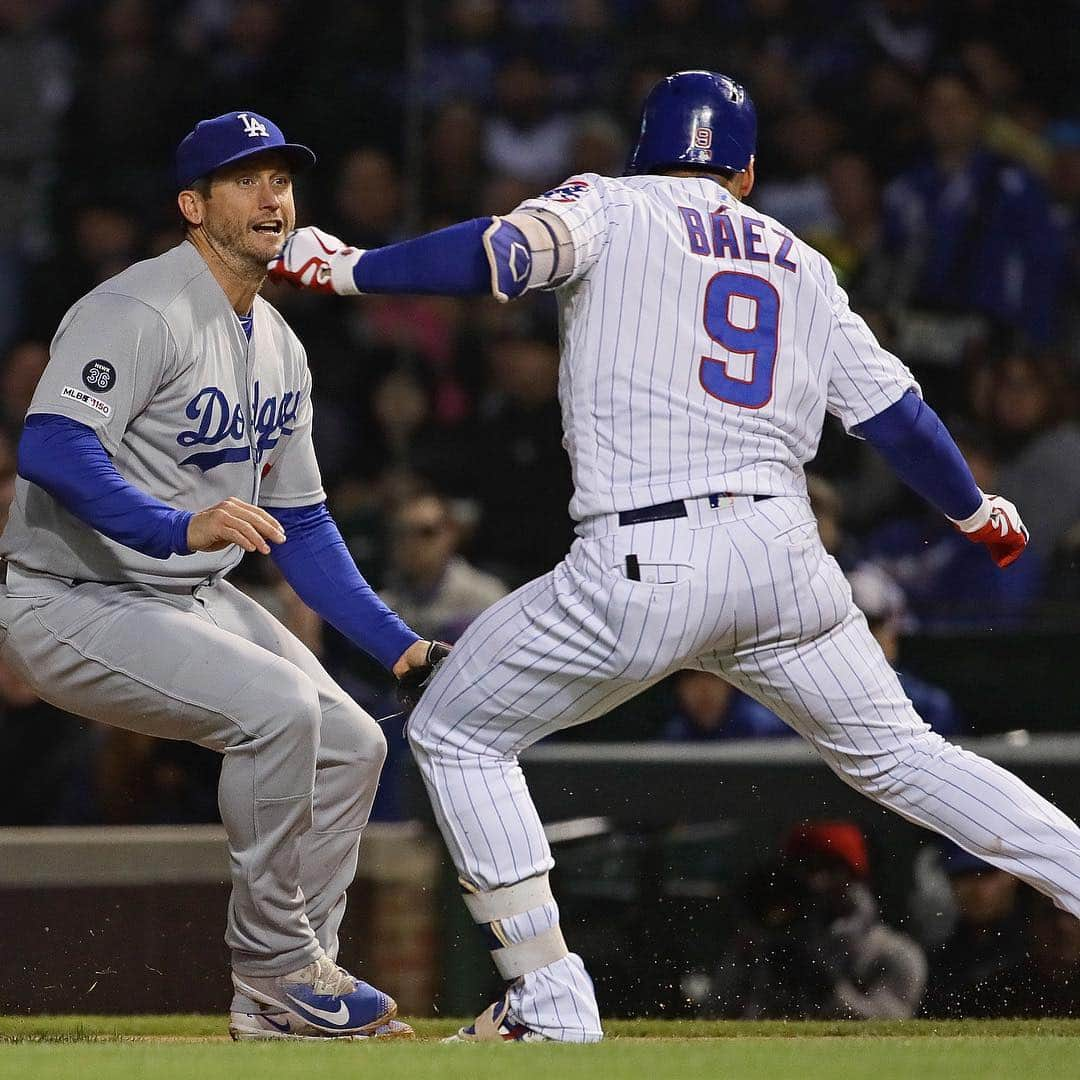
{"points": [[254, 129]]}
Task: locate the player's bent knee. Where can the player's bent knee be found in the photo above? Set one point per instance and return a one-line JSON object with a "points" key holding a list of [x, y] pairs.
{"points": [[375, 745], [285, 709], [369, 743], [351, 738]]}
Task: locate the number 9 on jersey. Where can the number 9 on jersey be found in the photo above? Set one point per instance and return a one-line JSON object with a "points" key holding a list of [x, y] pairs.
{"points": [[758, 341]]}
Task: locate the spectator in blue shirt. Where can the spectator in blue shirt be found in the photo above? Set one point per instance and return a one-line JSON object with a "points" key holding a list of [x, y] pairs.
{"points": [[969, 230], [708, 709]]}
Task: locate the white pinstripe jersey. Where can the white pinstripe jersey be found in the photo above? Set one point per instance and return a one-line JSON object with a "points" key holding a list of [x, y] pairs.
{"points": [[702, 344]]}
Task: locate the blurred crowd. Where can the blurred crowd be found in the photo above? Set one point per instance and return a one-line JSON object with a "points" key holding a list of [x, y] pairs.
{"points": [[810, 942], [931, 149]]}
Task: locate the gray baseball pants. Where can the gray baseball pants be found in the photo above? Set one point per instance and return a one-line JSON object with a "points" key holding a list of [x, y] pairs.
{"points": [[300, 759]]}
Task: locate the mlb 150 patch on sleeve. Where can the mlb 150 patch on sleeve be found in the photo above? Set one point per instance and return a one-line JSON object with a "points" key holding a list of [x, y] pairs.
{"points": [[91, 402]]}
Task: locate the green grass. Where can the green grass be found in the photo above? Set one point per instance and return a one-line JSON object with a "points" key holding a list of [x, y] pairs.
{"points": [[195, 1048]]}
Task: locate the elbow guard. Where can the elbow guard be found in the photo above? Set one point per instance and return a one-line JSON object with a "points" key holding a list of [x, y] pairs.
{"points": [[530, 250]]}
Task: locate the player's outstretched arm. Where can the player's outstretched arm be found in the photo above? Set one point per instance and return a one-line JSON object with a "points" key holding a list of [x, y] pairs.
{"points": [[68, 460], [316, 563], [497, 256], [920, 450]]}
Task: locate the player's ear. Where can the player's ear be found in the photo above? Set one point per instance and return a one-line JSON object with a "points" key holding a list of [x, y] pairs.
{"points": [[191, 206], [748, 179]]}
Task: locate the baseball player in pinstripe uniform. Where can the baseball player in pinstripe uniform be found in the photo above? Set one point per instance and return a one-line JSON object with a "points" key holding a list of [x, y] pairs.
{"points": [[169, 434], [702, 345]]}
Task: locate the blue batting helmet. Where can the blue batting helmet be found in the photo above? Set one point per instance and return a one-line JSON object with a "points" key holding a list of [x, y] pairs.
{"points": [[695, 118]]}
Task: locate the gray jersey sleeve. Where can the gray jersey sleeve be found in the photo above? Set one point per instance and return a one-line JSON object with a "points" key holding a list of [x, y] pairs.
{"points": [[107, 361], [292, 475]]}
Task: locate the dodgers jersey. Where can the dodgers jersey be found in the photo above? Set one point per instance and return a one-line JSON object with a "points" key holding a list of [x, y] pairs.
{"points": [[702, 344], [155, 361]]}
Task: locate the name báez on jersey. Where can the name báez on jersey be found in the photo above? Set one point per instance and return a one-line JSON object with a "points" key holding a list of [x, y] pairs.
{"points": [[723, 238], [218, 419]]}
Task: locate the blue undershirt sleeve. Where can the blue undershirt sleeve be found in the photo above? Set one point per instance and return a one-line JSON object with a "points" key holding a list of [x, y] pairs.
{"points": [[910, 436], [67, 460], [448, 262], [316, 563]]}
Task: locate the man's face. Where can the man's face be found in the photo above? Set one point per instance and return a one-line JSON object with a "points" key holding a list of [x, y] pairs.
{"points": [[250, 209], [424, 538], [954, 116], [1022, 398]]}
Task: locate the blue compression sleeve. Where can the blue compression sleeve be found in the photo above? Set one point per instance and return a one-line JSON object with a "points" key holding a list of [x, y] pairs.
{"points": [[66, 458], [317, 564], [910, 436], [449, 262]]}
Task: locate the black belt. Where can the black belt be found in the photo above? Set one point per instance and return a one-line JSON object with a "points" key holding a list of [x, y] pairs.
{"points": [[675, 509]]}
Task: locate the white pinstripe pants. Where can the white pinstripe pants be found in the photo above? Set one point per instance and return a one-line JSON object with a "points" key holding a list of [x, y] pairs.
{"points": [[751, 595]]}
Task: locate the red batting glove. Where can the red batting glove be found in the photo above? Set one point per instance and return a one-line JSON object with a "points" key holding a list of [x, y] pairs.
{"points": [[313, 259], [997, 526]]}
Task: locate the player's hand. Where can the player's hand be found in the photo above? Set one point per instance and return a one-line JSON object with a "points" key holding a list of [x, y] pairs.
{"points": [[997, 526], [234, 522], [313, 259], [415, 668]]}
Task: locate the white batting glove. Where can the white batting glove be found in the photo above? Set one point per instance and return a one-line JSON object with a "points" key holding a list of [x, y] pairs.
{"points": [[997, 526], [313, 259]]}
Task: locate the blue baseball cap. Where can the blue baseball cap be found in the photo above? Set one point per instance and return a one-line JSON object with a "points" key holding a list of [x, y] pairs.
{"points": [[232, 137]]}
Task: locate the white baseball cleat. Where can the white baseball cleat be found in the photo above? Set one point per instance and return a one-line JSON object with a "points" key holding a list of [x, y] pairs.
{"points": [[323, 996], [494, 1025], [283, 1025]]}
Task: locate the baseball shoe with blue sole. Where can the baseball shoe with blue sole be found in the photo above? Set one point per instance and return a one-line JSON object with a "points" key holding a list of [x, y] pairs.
{"points": [[278, 1024], [494, 1025], [324, 996]]}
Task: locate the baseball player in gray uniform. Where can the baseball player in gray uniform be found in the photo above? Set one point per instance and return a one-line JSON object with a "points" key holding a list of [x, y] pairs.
{"points": [[702, 344], [169, 434]]}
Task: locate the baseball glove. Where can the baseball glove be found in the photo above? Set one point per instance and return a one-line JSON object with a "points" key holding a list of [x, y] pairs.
{"points": [[414, 682]]}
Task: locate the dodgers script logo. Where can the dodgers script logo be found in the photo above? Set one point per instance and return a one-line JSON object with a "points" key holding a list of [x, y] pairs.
{"points": [[216, 420]]}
